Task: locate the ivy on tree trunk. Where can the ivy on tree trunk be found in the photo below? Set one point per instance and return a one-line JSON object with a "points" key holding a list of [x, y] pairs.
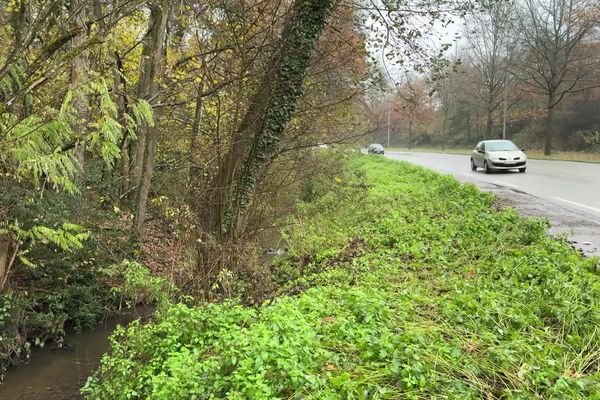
{"points": [[271, 108]]}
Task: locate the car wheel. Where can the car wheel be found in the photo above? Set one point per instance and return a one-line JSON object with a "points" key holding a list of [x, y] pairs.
{"points": [[473, 166], [486, 168], [522, 170]]}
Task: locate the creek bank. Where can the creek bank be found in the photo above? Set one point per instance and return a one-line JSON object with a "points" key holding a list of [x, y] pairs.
{"points": [[58, 373]]}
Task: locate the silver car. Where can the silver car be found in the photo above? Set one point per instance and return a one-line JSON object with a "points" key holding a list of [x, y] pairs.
{"points": [[496, 155], [375, 148]]}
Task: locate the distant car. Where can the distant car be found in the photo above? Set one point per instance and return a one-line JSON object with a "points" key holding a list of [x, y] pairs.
{"points": [[375, 148], [496, 155]]}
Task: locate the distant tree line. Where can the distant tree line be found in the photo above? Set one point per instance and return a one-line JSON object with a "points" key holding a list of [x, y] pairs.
{"points": [[529, 70]]}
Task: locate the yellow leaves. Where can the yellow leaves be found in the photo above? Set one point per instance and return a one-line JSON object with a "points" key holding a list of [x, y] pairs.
{"points": [[471, 274], [178, 75], [11, 6]]}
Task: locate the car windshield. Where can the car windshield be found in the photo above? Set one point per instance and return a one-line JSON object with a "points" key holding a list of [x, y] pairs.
{"points": [[376, 146], [501, 145]]}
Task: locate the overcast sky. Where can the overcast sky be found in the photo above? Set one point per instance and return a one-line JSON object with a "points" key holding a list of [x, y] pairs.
{"points": [[434, 40]]}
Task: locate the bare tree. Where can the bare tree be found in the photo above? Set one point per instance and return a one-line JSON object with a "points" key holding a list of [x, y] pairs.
{"points": [[491, 43], [554, 34], [415, 103], [445, 92]]}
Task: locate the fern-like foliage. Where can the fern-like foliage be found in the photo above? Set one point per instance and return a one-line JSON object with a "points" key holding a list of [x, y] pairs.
{"points": [[67, 237], [106, 130], [12, 81], [37, 149], [140, 113], [34, 148]]}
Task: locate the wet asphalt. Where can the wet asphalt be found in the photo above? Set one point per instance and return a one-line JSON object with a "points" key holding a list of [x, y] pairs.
{"points": [[565, 192]]}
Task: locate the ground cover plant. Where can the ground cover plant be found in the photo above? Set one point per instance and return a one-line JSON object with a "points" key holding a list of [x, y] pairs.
{"points": [[399, 283]]}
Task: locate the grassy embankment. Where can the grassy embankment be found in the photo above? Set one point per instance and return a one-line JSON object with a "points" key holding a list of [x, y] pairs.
{"points": [[400, 283], [593, 157]]}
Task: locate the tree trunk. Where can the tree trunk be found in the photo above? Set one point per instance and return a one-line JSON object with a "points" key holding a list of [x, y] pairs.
{"points": [[152, 66], [504, 110], [18, 21], [549, 126], [148, 173], [489, 125], [469, 128], [444, 133], [79, 77], [261, 130], [8, 253], [271, 109], [123, 168], [409, 134], [196, 127], [4, 247]]}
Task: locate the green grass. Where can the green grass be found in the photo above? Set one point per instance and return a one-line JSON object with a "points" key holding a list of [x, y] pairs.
{"points": [[591, 157], [400, 284]]}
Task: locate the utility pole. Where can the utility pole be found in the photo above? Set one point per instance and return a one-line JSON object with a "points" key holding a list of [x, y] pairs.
{"points": [[388, 124]]}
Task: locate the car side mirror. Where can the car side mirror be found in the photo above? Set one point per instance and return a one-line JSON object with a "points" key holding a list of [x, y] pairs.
{"points": [[481, 151], [522, 149]]}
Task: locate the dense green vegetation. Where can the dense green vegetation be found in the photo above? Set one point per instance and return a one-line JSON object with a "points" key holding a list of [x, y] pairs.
{"points": [[399, 283], [70, 275], [164, 132], [149, 148]]}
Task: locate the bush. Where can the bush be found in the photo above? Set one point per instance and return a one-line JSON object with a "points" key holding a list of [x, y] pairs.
{"points": [[61, 285]]}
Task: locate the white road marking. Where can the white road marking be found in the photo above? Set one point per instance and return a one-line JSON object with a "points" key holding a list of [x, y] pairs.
{"points": [[510, 185], [573, 203]]}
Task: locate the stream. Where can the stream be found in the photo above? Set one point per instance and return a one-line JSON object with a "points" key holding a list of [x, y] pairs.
{"points": [[58, 374]]}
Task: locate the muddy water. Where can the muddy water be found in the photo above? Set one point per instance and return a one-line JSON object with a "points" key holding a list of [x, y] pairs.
{"points": [[57, 374]]}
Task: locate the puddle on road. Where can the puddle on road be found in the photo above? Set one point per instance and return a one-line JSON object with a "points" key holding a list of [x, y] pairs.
{"points": [[58, 374]]}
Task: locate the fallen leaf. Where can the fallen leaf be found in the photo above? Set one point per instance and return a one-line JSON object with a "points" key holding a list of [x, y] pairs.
{"points": [[329, 367]]}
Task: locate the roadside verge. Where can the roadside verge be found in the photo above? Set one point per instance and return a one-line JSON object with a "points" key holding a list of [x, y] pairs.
{"points": [[399, 283]]}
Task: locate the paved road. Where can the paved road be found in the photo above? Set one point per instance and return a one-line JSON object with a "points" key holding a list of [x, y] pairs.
{"points": [[568, 193]]}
